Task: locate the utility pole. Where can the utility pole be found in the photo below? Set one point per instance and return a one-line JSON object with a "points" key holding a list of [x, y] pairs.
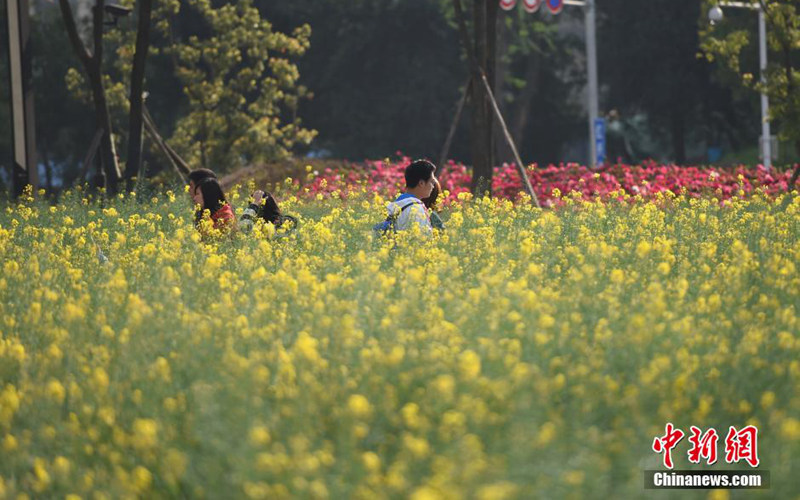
{"points": [[716, 15], [591, 62], [25, 169]]}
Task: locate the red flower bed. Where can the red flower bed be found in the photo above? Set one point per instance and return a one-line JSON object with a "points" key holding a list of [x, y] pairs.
{"points": [[553, 181]]}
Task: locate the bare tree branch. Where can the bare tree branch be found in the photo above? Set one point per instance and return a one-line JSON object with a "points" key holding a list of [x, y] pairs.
{"points": [[72, 32]]}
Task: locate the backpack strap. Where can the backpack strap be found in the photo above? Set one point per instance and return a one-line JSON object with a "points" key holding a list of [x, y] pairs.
{"points": [[407, 202], [403, 204]]}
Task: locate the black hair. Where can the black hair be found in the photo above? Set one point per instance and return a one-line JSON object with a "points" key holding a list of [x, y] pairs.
{"points": [[200, 174], [430, 201], [213, 197], [270, 210], [418, 171]]}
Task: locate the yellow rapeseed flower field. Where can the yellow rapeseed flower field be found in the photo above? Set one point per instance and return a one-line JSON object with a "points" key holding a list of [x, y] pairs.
{"points": [[521, 353]]}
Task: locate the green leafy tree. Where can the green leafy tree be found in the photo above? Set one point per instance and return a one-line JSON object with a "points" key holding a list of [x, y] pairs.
{"points": [[239, 83], [242, 88], [728, 44]]}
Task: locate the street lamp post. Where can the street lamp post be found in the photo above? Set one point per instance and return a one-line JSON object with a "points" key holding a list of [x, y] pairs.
{"points": [[591, 63], [715, 15]]}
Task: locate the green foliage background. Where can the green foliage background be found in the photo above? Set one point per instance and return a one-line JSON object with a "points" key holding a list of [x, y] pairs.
{"points": [[373, 77]]}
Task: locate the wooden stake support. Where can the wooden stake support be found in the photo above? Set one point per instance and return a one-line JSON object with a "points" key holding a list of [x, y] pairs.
{"points": [[87, 161], [181, 167], [449, 141], [477, 72], [520, 166]]}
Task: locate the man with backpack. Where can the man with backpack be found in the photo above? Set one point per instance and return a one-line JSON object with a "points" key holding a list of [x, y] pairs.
{"points": [[408, 210]]}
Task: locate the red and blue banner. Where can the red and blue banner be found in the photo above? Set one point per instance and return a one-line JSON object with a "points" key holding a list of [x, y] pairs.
{"points": [[507, 4], [532, 6], [555, 6]]}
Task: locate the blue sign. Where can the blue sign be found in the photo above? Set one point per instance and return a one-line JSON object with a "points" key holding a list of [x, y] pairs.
{"points": [[555, 5], [600, 140]]}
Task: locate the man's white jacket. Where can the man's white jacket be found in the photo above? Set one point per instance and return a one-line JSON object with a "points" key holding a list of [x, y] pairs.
{"points": [[408, 211]]}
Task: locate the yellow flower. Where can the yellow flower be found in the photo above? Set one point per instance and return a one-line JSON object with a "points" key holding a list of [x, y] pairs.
{"points": [[444, 385], [418, 446], [10, 443], [55, 390], [546, 321], [73, 312], [372, 461], [359, 406], [160, 369], [574, 477], [141, 479], [497, 491], [259, 435], [410, 413], [42, 477], [100, 379], [174, 466], [306, 345], [547, 432], [426, 493], [643, 249], [145, 433], [469, 365], [61, 466], [790, 428]]}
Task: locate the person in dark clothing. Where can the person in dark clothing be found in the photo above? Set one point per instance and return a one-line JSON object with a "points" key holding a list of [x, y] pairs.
{"points": [[617, 145], [265, 207]]}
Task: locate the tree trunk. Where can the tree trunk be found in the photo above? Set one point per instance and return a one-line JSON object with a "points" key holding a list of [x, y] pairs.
{"points": [[492, 7], [92, 64], [134, 164], [108, 152], [481, 118], [502, 150]]}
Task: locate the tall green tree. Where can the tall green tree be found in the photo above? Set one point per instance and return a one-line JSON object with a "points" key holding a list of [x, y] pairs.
{"points": [[236, 80], [479, 41], [242, 88], [729, 42]]}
